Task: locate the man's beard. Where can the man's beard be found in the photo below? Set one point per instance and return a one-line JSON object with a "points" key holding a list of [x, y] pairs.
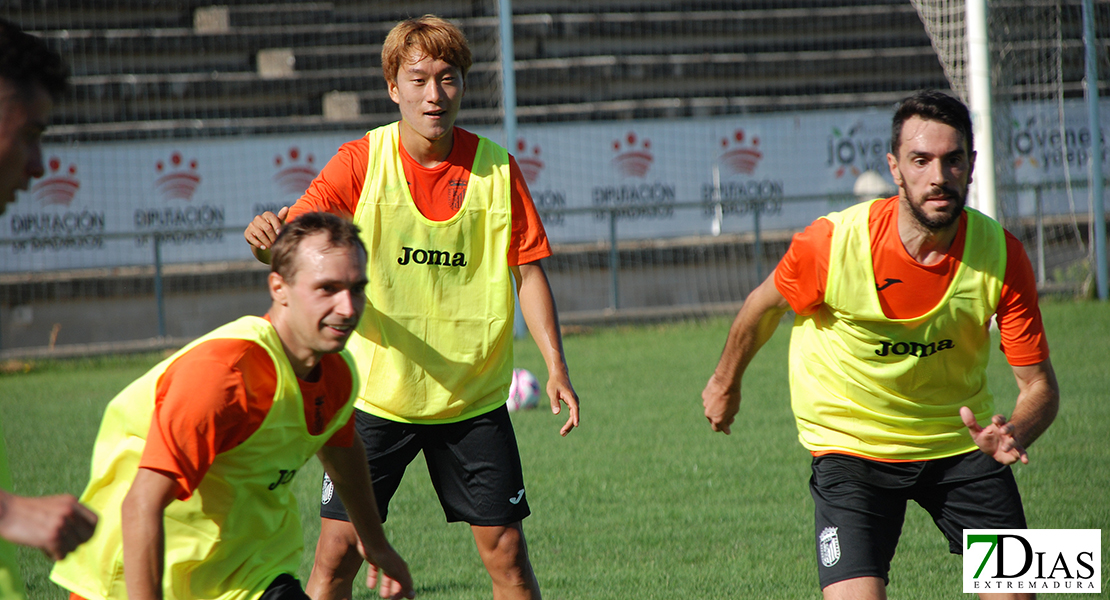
{"points": [[942, 220]]}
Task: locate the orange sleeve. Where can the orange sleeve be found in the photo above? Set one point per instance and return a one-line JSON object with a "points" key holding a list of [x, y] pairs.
{"points": [[529, 239], [207, 402], [336, 189], [1019, 316], [801, 274]]}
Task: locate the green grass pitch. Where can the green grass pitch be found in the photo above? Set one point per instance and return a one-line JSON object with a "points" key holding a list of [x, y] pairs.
{"points": [[643, 501]]}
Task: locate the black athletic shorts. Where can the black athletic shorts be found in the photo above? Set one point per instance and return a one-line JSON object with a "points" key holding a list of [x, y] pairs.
{"points": [[284, 587], [474, 466], [860, 505]]}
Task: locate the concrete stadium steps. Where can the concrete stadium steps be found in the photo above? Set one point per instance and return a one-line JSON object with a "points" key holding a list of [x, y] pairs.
{"points": [[80, 14], [146, 65], [265, 14], [690, 31], [222, 94], [145, 14], [79, 43], [598, 78], [111, 107]]}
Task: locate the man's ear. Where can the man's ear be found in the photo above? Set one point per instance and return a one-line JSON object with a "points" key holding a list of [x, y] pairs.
{"points": [[895, 172], [391, 86], [971, 168], [277, 285]]}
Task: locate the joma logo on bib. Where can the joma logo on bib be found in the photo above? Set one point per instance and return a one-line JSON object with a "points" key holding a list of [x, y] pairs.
{"points": [[284, 477], [913, 348], [431, 257]]}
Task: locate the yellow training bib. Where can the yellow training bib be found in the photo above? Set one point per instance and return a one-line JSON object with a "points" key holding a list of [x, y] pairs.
{"points": [[891, 389], [241, 527], [435, 342]]}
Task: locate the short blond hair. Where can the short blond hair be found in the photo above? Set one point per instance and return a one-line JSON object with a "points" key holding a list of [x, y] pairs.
{"points": [[413, 39]]}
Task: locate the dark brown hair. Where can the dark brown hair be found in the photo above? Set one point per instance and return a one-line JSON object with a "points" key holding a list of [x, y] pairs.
{"points": [[932, 105], [341, 234], [26, 60]]}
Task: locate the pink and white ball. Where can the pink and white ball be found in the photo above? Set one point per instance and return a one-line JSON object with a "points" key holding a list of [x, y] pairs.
{"points": [[524, 392]]}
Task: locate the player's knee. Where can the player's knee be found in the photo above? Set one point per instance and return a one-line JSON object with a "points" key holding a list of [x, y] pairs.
{"points": [[506, 556], [512, 571]]}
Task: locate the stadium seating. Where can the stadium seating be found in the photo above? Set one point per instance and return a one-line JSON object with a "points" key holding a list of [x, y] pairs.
{"points": [[143, 69]]}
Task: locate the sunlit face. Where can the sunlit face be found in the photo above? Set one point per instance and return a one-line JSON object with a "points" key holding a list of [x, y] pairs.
{"points": [[429, 93], [933, 171], [324, 298], [23, 118]]}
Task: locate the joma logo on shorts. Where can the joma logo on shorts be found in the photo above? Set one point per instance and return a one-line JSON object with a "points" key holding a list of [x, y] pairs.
{"points": [[913, 348], [431, 257]]}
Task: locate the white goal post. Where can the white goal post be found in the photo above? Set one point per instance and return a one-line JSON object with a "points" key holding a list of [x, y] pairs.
{"points": [[1036, 61]]}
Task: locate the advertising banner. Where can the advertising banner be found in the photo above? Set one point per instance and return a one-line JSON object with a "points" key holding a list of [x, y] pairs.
{"points": [[100, 204]]}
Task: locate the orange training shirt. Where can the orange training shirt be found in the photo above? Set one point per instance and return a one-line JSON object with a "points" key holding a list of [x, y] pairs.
{"points": [[437, 191], [216, 396], [909, 289]]}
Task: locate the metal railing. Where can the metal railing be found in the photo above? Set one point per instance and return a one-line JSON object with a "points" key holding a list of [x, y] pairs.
{"points": [[606, 252]]}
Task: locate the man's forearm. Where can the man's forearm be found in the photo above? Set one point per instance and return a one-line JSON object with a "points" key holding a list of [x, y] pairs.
{"points": [[1037, 403], [348, 471], [537, 305], [351, 476], [753, 326], [144, 537], [143, 552]]}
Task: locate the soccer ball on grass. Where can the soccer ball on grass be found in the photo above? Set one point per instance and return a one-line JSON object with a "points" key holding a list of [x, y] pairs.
{"points": [[524, 392]]}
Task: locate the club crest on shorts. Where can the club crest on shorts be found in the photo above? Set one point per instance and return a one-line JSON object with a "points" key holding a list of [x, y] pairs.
{"points": [[829, 545], [328, 491]]}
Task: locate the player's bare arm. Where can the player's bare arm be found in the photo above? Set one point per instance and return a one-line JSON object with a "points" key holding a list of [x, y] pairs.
{"points": [[1038, 402], [263, 230], [144, 547], [538, 307], [348, 472], [754, 325], [54, 524]]}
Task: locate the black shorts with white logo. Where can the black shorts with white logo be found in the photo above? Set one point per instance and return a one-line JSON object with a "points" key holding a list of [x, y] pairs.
{"points": [[860, 505], [474, 466], [284, 587]]}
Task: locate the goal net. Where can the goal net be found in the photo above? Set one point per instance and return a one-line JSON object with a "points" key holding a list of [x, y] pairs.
{"points": [[1042, 138]]}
